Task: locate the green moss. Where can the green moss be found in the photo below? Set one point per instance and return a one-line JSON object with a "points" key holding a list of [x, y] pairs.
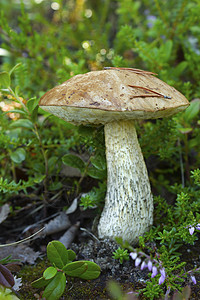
{"points": [[28, 274]]}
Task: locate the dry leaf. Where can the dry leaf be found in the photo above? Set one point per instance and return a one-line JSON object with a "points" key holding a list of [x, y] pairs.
{"points": [[59, 223], [69, 235], [4, 211], [22, 252]]}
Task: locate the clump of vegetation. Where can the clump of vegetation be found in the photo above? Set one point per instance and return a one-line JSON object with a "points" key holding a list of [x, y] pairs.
{"points": [[49, 42], [121, 254], [54, 277]]}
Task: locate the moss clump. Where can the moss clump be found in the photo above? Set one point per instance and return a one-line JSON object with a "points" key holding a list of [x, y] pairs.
{"points": [[29, 274]]}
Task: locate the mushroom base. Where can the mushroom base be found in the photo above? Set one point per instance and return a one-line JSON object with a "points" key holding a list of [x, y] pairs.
{"points": [[128, 210]]}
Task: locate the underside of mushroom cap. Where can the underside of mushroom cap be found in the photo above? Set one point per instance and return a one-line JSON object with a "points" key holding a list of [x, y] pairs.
{"points": [[115, 94]]}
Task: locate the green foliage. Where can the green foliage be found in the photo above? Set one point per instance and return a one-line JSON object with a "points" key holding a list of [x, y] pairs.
{"points": [[54, 279], [196, 176], [152, 290], [46, 47], [13, 188], [7, 260], [87, 201], [94, 198], [4, 79], [73, 161], [121, 254]]}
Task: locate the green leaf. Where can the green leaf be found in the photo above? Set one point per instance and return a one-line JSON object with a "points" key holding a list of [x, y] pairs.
{"points": [[4, 80], [73, 161], [75, 269], [39, 178], [99, 162], [83, 269], [18, 156], [192, 111], [14, 68], [56, 287], [57, 254], [167, 47], [52, 163], [50, 273], [180, 68], [40, 282], [25, 123], [95, 173], [55, 186], [19, 111], [71, 255], [32, 103], [185, 130], [34, 114], [93, 271]]}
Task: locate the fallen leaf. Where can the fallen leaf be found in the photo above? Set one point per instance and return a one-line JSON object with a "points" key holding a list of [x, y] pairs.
{"points": [[68, 237], [59, 223], [4, 211], [72, 207], [22, 252]]}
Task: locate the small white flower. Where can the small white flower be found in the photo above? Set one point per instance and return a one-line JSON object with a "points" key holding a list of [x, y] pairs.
{"points": [[143, 265], [161, 279], [137, 261], [198, 227], [193, 279], [133, 255], [162, 272], [150, 265], [18, 283], [191, 230], [154, 272], [163, 275]]}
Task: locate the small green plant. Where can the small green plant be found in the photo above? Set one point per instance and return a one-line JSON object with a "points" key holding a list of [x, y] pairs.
{"points": [[121, 254], [54, 277], [196, 176], [87, 201], [152, 290]]}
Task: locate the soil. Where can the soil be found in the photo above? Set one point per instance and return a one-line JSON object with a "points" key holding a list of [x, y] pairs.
{"points": [[86, 246]]}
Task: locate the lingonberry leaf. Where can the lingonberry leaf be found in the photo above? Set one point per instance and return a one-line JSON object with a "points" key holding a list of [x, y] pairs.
{"points": [[56, 287], [93, 271], [75, 269], [83, 269], [57, 254], [50, 273], [39, 283]]}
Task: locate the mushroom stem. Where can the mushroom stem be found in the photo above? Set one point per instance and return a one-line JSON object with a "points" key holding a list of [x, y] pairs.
{"points": [[128, 210]]}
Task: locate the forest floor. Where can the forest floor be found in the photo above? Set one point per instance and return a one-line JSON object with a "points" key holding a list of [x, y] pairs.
{"points": [[32, 255]]}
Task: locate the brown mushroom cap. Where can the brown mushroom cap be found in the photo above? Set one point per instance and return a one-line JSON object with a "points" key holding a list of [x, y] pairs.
{"points": [[99, 97]]}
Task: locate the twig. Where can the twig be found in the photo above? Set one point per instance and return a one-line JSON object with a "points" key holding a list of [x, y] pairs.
{"points": [[22, 241]]}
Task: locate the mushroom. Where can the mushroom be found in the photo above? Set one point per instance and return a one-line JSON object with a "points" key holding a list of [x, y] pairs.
{"points": [[116, 97]]}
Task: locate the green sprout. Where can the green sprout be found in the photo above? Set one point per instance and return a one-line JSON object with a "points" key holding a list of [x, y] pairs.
{"points": [[121, 254]]}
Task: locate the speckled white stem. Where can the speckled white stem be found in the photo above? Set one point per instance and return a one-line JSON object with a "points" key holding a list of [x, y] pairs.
{"points": [[128, 210]]}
